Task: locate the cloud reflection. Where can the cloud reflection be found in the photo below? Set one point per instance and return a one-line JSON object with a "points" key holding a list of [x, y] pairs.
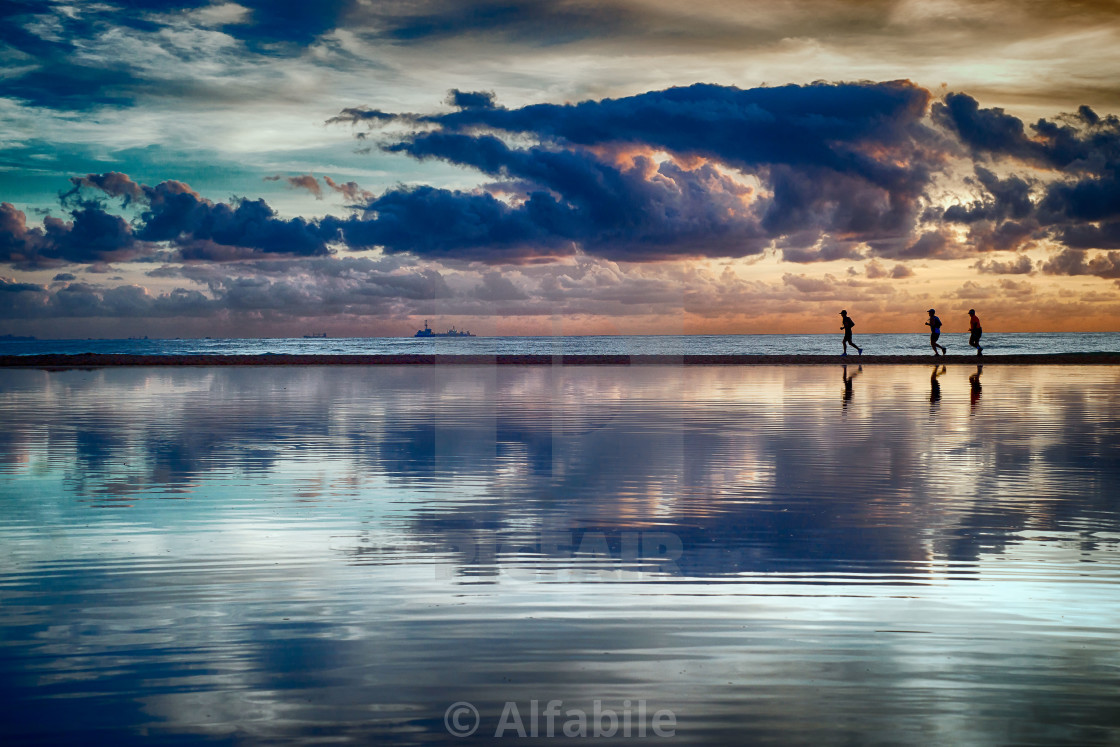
{"points": [[361, 547], [750, 468]]}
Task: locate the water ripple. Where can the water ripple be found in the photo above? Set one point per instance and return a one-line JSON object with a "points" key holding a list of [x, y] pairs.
{"points": [[775, 554]]}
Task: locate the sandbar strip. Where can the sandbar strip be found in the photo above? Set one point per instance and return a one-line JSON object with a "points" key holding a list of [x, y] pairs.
{"points": [[99, 360]]}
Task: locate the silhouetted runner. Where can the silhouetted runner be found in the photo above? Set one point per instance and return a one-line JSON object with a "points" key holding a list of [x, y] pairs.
{"points": [[847, 323], [974, 331], [934, 325]]}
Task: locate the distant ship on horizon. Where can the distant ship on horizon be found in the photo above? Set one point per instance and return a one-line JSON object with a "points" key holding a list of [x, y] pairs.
{"points": [[427, 332]]}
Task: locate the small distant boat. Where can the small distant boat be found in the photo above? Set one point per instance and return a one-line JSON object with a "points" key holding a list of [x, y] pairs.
{"points": [[315, 337], [427, 332]]}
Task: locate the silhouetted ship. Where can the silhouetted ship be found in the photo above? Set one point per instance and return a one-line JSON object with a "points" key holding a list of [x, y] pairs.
{"points": [[315, 337], [427, 332]]}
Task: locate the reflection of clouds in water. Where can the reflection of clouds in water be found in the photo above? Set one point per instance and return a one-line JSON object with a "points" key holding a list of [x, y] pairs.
{"points": [[751, 467], [379, 652], [310, 585]]}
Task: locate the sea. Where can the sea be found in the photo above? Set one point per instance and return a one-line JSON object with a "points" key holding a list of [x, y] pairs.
{"points": [[873, 344], [472, 554]]}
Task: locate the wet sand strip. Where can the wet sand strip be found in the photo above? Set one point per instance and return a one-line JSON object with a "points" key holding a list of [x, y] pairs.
{"points": [[99, 360]]}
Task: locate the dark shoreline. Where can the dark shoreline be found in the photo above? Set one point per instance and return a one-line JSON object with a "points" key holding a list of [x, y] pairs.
{"points": [[99, 360]]}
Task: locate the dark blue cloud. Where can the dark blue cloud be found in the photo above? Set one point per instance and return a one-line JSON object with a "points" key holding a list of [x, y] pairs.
{"points": [[456, 225], [202, 229], [1104, 235], [641, 210], [986, 131], [1008, 198], [92, 235], [1003, 220], [827, 125], [1079, 208], [1087, 199], [471, 99], [172, 214], [846, 160], [1085, 143]]}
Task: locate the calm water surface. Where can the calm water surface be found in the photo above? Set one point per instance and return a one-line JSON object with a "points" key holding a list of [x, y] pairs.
{"points": [[770, 555]]}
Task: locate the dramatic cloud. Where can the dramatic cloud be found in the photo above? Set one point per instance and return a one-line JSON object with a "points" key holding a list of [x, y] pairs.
{"points": [[172, 214], [455, 225], [1007, 198], [822, 172], [1078, 207], [1084, 144], [202, 229], [667, 173], [91, 236]]}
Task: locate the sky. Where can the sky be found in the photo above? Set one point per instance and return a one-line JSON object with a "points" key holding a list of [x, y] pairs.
{"points": [[355, 167]]}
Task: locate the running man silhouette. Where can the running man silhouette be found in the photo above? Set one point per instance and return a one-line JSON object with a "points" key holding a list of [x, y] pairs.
{"points": [[934, 325], [974, 331], [847, 325]]}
